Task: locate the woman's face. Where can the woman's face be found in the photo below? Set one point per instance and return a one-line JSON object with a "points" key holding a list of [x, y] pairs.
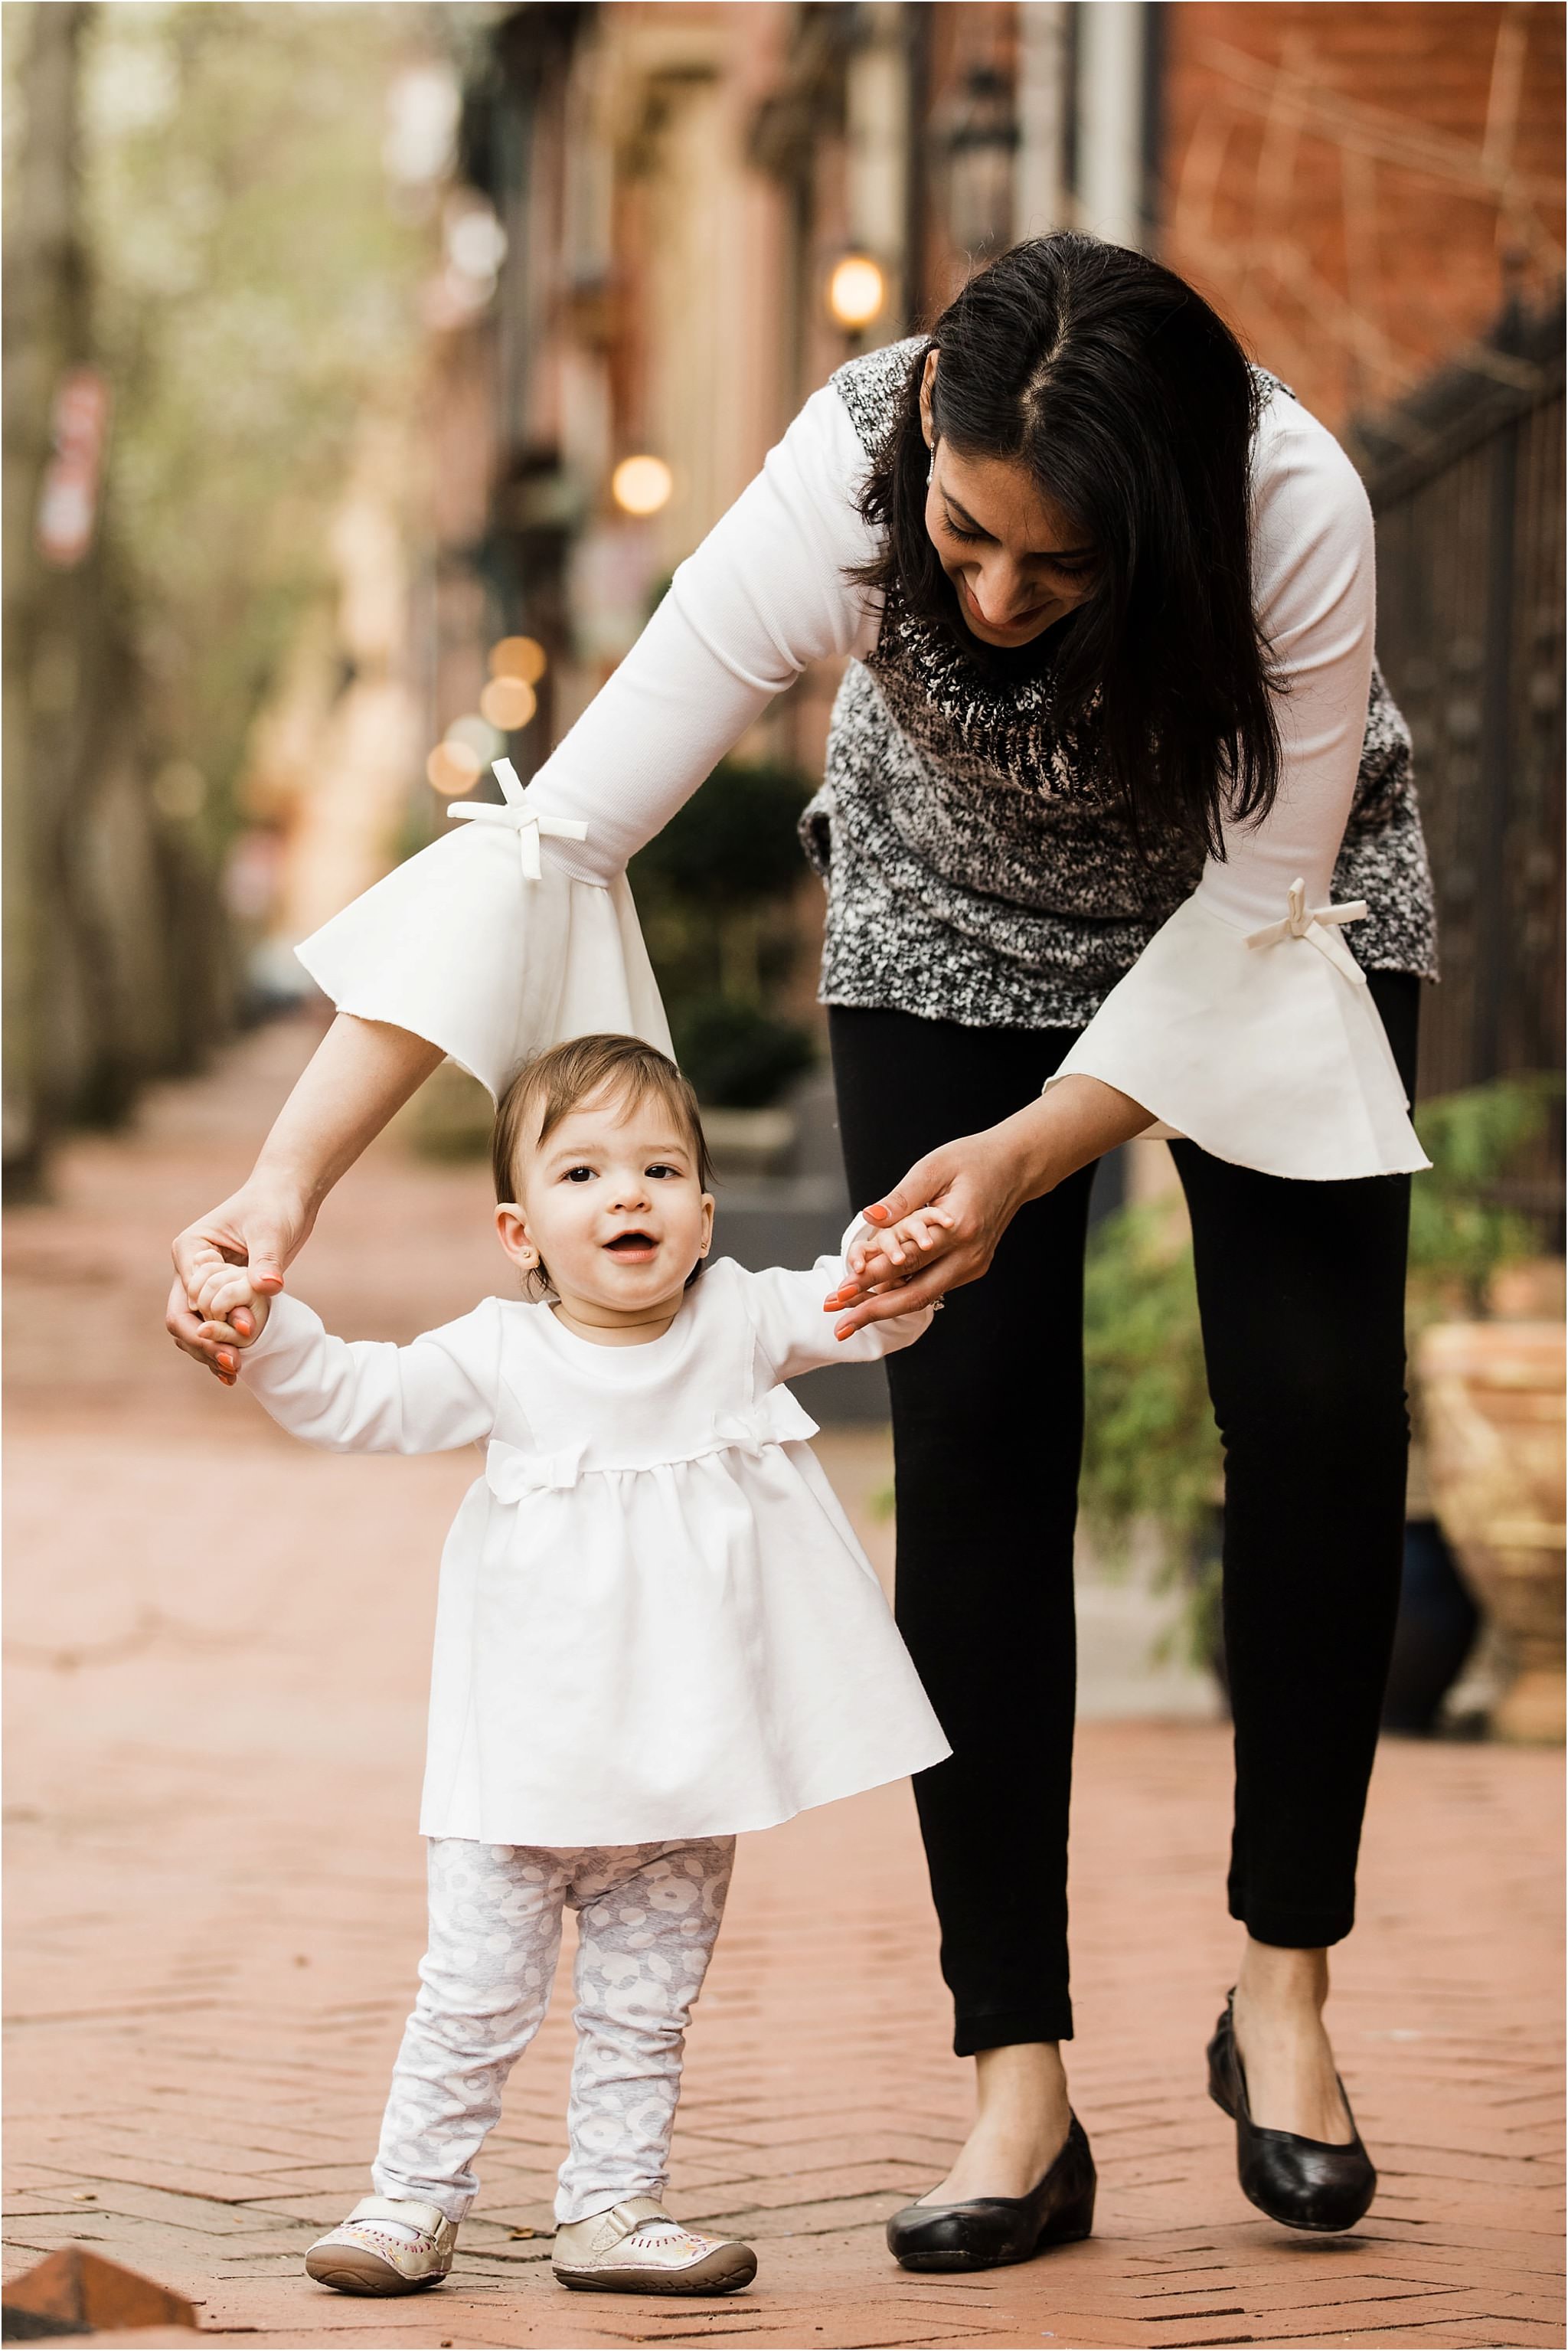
{"points": [[1018, 562]]}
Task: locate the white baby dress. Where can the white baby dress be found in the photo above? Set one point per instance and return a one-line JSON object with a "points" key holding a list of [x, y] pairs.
{"points": [[654, 1621]]}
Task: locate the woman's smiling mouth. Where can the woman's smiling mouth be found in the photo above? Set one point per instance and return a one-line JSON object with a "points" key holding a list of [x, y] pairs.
{"points": [[972, 614]]}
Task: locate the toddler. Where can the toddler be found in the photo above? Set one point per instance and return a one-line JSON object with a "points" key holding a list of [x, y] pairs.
{"points": [[654, 1629]]}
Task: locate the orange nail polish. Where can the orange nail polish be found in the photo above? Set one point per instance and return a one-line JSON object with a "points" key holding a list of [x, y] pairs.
{"points": [[878, 1216]]}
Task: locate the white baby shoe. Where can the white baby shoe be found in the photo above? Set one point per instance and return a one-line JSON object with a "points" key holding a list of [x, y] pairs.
{"points": [[388, 2244], [636, 2248]]}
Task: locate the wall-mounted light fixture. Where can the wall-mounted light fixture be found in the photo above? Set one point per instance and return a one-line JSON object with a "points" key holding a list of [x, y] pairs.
{"points": [[522, 657], [508, 703], [455, 765], [517, 665], [642, 485], [857, 290], [453, 768]]}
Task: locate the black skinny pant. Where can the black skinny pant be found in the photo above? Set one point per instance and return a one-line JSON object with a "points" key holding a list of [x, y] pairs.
{"points": [[1301, 1288]]}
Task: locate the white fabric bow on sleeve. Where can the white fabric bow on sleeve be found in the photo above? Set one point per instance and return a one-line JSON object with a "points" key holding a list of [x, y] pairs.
{"points": [[1312, 924], [525, 822]]}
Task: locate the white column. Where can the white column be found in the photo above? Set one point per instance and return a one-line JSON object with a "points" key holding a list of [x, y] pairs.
{"points": [[1042, 199], [1110, 36], [877, 110]]}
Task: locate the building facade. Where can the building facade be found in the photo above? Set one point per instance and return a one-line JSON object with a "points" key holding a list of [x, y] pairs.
{"points": [[1363, 190]]}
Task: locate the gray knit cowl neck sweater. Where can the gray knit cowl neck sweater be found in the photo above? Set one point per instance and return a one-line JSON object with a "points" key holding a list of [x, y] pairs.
{"points": [[978, 869]]}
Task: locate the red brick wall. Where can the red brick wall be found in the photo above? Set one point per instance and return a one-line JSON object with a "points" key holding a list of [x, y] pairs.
{"points": [[1358, 187]]}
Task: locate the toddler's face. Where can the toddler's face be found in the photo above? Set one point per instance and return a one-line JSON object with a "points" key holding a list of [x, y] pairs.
{"points": [[610, 1201]]}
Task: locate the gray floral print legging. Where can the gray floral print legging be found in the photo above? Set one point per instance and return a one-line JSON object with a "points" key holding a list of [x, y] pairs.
{"points": [[647, 1917]]}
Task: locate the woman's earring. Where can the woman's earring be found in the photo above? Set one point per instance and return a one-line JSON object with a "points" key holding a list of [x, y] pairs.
{"points": [[931, 470]]}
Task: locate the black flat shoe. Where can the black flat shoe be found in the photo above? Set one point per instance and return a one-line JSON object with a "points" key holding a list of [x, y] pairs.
{"points": [[988, 2231], [1303, 2183]]}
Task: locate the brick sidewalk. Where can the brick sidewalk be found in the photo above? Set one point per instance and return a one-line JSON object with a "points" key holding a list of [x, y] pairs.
{"points": [[218, 1648]]}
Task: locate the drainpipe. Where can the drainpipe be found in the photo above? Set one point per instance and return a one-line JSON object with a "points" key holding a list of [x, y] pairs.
{"points": [[876, 101], [1112, 104], [1042, 184]]}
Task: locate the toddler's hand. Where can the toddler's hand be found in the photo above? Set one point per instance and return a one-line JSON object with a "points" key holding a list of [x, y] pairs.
{"points": [[233, 1315], [223, 1291], [881, 1260]]}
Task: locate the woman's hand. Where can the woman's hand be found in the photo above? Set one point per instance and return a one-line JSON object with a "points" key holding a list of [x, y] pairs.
{"points": [[981, 1182], [262, 1228], [975, 1183]]}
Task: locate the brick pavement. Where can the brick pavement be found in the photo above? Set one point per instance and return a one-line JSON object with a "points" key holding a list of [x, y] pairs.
{"points": [[217, 1645]]}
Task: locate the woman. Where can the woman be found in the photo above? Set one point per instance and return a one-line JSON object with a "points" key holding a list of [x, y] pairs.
{"points": [[1110, 746]]}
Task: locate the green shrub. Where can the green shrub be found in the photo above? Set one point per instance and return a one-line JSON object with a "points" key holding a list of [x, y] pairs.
{"points": [[714, 890], [1151, 1447], [1461, 1233], [733, 844], [737, 1057]]}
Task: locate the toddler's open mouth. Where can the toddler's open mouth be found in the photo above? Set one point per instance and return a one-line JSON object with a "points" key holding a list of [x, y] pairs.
{"points": [[632, 1244]]}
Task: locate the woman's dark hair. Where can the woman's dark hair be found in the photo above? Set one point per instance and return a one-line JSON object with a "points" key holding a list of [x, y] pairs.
{"points": [[1134, 407]]}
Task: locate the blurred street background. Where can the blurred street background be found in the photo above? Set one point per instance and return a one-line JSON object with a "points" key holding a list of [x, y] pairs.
{"points": [[367, 371]]}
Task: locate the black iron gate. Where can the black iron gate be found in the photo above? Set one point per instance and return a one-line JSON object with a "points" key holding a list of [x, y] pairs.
{"points": [[1466, 482]]}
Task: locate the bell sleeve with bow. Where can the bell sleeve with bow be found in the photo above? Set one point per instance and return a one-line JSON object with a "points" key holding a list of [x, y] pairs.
{"points": [[367, 1396], [519, 930], [1247, 1025]]}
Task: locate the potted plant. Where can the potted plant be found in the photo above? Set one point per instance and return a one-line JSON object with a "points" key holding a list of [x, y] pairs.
{"points": [[1151, 1451], [1489, 1363]]}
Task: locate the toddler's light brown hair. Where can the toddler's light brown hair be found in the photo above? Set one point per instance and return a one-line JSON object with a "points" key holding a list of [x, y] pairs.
{"points": [[555, 1083]]}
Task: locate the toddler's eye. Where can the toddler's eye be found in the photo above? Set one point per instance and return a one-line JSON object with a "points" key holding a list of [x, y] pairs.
{"points": [[659, 1167], [577, 1176]]}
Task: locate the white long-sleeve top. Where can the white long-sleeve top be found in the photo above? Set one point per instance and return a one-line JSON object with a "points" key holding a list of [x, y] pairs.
{"points": [[653, 1618], [1259, 1041]]}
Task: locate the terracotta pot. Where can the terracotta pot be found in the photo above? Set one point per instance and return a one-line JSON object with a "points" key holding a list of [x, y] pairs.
{"points": [[1492, 1402]]}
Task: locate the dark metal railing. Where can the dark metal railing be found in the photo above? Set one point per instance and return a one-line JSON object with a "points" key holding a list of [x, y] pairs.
{"points": [[1466, 482]]}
